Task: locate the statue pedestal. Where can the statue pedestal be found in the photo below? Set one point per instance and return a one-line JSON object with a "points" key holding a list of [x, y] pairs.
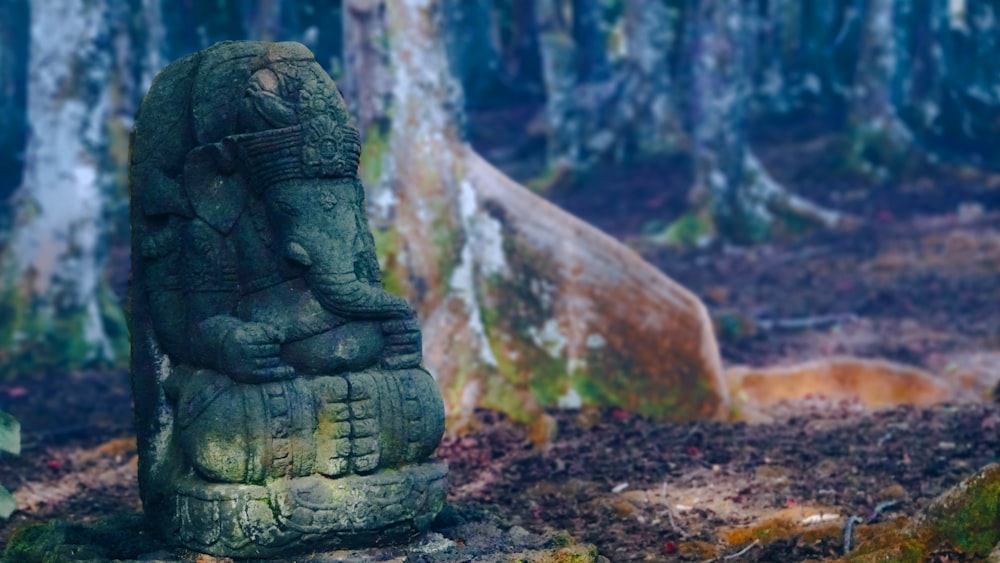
{"points": [[309, 513]]}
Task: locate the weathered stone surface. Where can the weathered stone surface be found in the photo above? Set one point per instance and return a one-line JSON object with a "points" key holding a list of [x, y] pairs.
{"points": [[279, 398]]}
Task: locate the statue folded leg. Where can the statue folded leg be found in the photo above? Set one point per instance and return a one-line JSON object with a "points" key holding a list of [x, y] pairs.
{"points": [[332, 425]]}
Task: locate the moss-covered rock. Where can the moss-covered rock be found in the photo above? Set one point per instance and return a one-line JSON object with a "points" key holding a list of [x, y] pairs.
{"points": [[966, 519], [113, 538]]}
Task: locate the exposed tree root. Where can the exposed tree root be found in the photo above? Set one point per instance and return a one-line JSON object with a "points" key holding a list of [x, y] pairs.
{"points": [[776, 198]]}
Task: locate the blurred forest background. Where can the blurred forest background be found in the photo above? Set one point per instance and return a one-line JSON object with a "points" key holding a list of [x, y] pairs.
{"points": [[670, 124]]}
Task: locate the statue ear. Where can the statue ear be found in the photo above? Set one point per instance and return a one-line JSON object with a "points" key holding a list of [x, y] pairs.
{"points": [[216, 192]]}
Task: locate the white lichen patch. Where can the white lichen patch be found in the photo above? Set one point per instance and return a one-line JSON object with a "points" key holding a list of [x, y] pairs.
{"points": [[549, 338], [596, 341], [463, 285], [470, 396], [571, 400], [383, 203], [543, 290], [483, 232]]}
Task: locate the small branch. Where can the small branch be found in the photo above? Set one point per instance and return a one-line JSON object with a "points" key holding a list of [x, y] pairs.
{"points": [[849, 532], [743, 551], [734, 555], [670, 513], [802, 323]]}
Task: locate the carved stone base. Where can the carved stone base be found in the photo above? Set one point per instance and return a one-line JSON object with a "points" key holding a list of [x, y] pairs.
{"points": [[306, 513]]}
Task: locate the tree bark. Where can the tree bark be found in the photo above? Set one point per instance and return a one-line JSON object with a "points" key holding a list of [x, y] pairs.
{"points": [[954, 97], [14, 37], [559, 72], [366, 80], [521, 52], [879, 138], [317, 24], [523, 306], [472, 52], [739, 193], [591, 35], [596, 112], [62, 312], [647, 103]]}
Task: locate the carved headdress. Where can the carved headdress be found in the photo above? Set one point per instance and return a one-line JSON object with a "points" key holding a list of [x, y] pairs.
{"points": [[292, 122], [297, 127]]}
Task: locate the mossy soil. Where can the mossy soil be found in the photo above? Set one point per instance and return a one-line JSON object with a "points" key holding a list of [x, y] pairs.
{"points": [[916, 283]]}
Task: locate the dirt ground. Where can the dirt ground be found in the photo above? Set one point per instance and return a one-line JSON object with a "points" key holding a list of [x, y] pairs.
{"points": [[917, 283]]}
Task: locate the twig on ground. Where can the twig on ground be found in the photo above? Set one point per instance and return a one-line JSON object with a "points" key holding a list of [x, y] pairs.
{"points": [[880, 508], [670, 513], [849, 532], [733, 555], [742, 551], [803, 323]]}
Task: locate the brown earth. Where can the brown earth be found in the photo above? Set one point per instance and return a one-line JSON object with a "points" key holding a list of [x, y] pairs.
{"points": [[918, 283]]}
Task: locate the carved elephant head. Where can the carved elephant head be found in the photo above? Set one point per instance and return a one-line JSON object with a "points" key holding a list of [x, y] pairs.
{"points": [[302, 179]]}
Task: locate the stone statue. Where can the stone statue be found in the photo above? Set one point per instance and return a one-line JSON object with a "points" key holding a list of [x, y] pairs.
{"points": [[279, 398]]}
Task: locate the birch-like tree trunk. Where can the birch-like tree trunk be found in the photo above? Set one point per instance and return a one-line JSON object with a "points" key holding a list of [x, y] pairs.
{"points": [[741, 195], [522, 305], [601, 112], [366, 80], [879, 137], [559, 72], [14, 25], [58, 309], [957, 68], [648, 104]]}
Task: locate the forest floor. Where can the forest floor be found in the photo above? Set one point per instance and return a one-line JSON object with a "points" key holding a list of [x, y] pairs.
{"points": [[917, 283]]}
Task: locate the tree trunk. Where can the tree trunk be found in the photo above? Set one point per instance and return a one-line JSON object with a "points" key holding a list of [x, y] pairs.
{"points": [[879, 138], [958, 66], [559, 71], [317, 24], [523, 306], [740, 194], [262, 20], [647, 103], [596, 113], [14, 26], [591, 35], [521, 51], [55, 292], [472, 52], [150, 41], [367, 86]]}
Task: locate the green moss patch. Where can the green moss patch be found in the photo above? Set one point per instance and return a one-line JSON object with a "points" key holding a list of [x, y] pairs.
{"points": [[111, 538]]}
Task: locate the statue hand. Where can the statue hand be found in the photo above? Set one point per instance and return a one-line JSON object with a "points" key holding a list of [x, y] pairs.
{"points": [[251, 354], [404, 348]]}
